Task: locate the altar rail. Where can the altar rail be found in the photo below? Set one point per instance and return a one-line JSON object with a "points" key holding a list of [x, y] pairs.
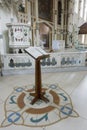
{"points": [[58, 60]]}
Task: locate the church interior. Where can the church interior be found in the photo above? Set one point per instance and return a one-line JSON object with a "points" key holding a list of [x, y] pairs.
{"points": [[43, 64]]}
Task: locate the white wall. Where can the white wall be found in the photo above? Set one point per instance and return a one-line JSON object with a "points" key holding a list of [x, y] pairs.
{"points": [[74, 20]]}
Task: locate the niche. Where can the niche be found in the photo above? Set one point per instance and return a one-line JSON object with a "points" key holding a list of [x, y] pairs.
{"points": [[45, 35]]}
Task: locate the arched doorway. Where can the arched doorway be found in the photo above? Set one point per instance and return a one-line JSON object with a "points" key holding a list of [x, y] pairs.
{"points": [[45, 32]]}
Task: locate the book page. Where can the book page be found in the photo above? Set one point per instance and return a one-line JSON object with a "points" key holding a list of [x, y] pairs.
{"points": [[41, 50], [35, 52]]}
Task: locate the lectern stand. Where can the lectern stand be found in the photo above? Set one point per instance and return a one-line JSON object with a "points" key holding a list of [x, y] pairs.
{"points": [[40, 54]]}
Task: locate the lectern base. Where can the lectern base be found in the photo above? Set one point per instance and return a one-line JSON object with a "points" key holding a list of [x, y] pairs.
{"points": [[38, 97]]}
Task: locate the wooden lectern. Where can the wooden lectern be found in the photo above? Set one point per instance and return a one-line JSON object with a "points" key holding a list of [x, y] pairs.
{"points": [[38, 54]]}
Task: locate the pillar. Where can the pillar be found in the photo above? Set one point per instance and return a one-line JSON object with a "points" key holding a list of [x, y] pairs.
{"points": [[37, 23], [55, 12], [62, 18]]}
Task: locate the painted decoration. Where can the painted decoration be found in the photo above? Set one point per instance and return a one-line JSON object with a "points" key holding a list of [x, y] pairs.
{"points": [[19, 111], [19, 35], [45, 9]]}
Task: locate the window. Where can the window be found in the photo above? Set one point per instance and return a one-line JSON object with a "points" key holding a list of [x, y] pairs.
{"points": [[45, 9], [76, 6], [85, 11], [59, 12], [22, 7], [81, 8], [83, 39]]}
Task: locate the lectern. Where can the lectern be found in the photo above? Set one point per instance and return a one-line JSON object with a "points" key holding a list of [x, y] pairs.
{"points": [[38, 54]]}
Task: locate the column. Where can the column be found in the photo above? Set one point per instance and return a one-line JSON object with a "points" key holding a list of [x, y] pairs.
{"points": [[65, 20], [32, 22], [70, 24], [1, 39], [29, 20], [76, 26], [37, 23], [55, 12], [11, 8], [62, 18]]}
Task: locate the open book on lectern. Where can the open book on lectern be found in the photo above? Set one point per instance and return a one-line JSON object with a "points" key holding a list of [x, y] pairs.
{"points": [[36, 52]]}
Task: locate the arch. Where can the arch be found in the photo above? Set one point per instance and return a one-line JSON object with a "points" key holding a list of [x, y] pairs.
{"points": [[45, 30], [47, 23]]}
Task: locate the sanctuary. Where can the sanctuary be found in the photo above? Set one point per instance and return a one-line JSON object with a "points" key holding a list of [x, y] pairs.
{"points": [[53, 25]]}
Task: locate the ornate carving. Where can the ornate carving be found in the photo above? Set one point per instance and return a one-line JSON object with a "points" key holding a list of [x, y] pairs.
{"points": [[45, 9]]}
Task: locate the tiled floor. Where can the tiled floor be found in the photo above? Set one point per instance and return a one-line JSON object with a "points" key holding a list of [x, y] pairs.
{"points": [[73, 83]]}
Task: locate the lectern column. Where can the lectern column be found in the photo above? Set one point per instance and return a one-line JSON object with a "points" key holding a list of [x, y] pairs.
{"points": [[38, 95], [38, 78]]}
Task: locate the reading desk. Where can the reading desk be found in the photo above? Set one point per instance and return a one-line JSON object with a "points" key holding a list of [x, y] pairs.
{"points": [[38, 54]]}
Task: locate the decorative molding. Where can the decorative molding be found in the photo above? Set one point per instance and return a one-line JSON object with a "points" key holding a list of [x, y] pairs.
{"points": [[11, 4], [45, 9]]}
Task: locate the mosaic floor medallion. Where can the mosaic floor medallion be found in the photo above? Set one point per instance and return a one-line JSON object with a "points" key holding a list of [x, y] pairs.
{"points": [[19, 111]]}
